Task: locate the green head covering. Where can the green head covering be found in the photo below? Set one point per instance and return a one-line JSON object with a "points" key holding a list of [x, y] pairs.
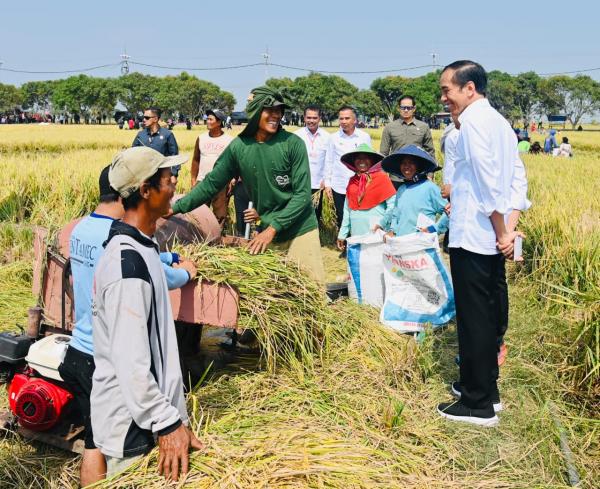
{"points": [[263, 97]]}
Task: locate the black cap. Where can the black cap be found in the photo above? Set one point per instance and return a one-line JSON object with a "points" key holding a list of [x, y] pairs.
{"points": [[104, 184], [219, 114]]}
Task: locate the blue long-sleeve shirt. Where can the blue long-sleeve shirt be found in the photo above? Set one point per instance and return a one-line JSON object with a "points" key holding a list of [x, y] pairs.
{"points": [[162, 141], [85, 251], [422, 197], [359, 222]]}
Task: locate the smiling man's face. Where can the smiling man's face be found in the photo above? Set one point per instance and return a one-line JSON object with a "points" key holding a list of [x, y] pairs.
{"points": [[455, 97], [270, 119]]}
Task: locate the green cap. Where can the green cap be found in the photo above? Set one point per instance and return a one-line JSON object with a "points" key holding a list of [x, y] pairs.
{"points": [[133, 166]]}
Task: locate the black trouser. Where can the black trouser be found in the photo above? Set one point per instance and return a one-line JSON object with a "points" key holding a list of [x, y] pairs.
{"points": [[77, 369], [502, 305], [338, 203], [240, 201], [319, 206], [446, 241], [188, 344], [477, 292]]}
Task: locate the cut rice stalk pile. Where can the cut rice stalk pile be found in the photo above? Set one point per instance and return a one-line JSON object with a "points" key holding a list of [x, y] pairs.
{"points": [[288, 311], [339, 423]]}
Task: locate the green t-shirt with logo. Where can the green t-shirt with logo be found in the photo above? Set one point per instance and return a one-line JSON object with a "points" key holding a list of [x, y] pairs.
{"points": [[276, 175]]}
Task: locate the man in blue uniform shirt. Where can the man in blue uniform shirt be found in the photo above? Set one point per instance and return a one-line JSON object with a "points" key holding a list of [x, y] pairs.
{"points": [[156, 137]]}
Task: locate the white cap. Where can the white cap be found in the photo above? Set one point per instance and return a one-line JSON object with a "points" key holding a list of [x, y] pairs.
{"points": [[133, 166]]}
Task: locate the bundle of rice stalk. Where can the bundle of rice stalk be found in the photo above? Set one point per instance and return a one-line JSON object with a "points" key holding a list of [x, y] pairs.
{"points": [[328, 225], [286, 309]]}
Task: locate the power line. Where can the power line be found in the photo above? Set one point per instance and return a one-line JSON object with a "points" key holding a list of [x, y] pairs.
{"points": [[177, 68], [569, 72], [126, 60], [266, 56], [364, 72], [59, 72]]}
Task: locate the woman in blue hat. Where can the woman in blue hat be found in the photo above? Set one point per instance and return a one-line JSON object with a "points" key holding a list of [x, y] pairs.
{"points": [[416, 195]]}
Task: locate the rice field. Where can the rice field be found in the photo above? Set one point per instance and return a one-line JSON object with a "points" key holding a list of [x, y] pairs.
{"points": [[343, 402]]}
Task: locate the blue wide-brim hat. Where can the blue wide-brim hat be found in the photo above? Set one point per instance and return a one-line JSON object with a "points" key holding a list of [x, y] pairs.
{"points": [[426, 162]]}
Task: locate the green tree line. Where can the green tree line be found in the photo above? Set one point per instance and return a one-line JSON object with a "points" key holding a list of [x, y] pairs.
{"points": [[93, 98], [521, 97]]}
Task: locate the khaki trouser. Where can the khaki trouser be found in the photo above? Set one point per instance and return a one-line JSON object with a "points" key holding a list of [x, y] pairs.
{"points": [[306, 250], [116, 465]]}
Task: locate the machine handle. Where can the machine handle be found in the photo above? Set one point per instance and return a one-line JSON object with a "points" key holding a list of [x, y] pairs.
{"points": [[248, 225]]}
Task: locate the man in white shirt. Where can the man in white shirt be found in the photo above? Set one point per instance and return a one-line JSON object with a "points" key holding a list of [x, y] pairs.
{"points": [[482, 201], [209, 146], [519, 203], [448, 145], [316, 140], [347, 139]]}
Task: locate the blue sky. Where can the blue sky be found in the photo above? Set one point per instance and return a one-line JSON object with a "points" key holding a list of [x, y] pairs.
{"points": [[512, 36]]}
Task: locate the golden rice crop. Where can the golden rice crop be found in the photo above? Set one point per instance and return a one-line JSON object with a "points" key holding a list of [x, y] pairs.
{"points": [[563, 250], [344, 402]]}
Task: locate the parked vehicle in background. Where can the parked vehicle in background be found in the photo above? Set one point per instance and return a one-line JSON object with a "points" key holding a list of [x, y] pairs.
{"points": [[239, 118]]}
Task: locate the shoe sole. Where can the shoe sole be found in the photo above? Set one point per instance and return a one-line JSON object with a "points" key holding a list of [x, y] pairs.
{"points": [[485, 422], [498, 407]]}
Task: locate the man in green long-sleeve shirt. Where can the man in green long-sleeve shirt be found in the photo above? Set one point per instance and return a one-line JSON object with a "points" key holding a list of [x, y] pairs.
{"points": [[406, 130], [273, 165]]}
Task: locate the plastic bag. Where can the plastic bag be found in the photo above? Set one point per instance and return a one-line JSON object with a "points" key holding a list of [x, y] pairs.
{"points": [[417, 285], [366, 268]]}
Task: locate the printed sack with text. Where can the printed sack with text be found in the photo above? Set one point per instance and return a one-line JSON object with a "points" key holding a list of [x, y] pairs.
{"points": [[366, 268], [417, 285]]}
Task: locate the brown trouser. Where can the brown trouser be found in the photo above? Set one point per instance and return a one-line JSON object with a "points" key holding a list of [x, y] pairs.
{"points": [[306, 250]]}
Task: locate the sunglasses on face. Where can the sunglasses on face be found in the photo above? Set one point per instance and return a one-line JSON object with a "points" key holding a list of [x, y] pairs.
{"points": [[407, 107], [147, 117]]}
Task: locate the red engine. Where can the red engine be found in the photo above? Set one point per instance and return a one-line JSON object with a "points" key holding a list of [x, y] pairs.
{"points": [[37, 402]]}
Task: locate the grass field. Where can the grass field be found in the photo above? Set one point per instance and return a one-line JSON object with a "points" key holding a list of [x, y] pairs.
{"points": [[363, 415]]}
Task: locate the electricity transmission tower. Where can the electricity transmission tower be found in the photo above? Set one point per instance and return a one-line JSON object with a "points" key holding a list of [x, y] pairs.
{"points": [[267, 57], [125, 63]]}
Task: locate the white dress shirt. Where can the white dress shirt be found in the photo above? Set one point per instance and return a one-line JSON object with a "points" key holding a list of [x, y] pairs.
{"points": [[518, 199], [448, 143], [483, 177], [336, 173], [317, 146]]}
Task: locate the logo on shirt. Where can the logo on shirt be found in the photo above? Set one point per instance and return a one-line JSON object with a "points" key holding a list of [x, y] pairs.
{"points": [[282, 180], [83, 253]]}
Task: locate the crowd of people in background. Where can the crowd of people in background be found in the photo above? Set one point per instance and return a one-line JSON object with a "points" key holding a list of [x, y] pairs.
{"points": [[550, 147]]}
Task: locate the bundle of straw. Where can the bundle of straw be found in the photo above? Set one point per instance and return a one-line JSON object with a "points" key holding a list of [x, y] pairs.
{"points": [[328, 226], [287, 310]]}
